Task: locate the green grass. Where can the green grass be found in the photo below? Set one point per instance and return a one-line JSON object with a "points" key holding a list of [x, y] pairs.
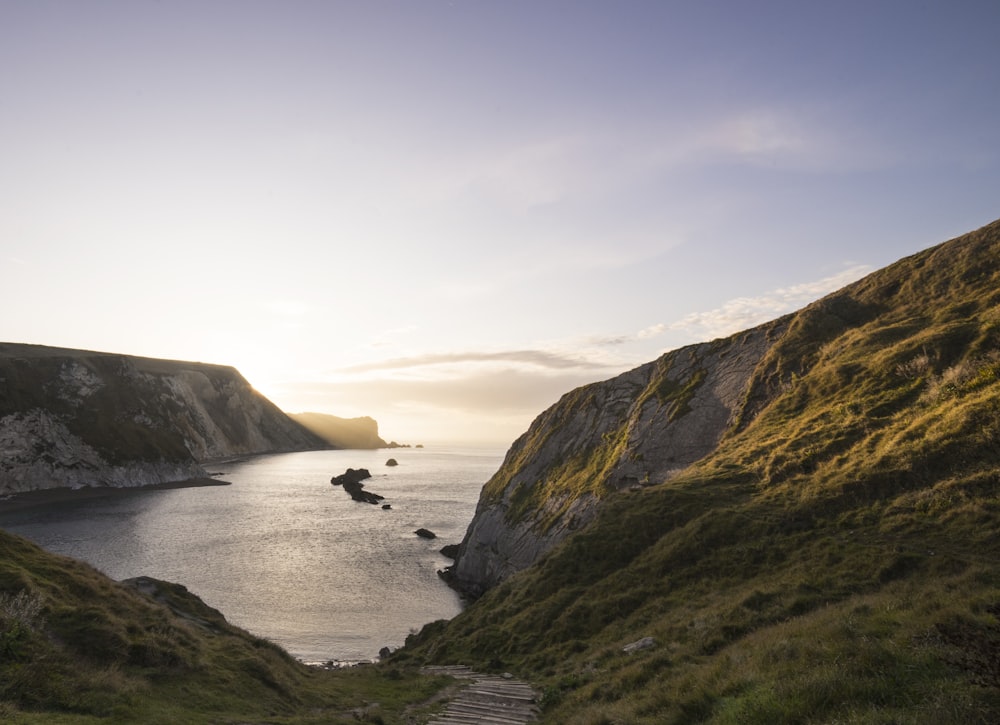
{"points": [[677, 394], [760, 613], [589, 462], [77, 647], [834, 560]]}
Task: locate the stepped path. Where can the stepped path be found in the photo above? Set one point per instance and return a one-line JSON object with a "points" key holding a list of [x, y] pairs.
{"points": [[487, 699]]}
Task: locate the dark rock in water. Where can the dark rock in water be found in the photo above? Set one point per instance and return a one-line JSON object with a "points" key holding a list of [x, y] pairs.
{"points": [[450, 550], [386, 506], [359, 494], [384, 652], [425, 534], [351, 481], [354, 475], [392, 462]]}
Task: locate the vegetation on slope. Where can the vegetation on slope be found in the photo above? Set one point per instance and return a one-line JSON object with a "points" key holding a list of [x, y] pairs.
{"points": [[76, 647], [31, 378], [132, 409], [835, 560]]}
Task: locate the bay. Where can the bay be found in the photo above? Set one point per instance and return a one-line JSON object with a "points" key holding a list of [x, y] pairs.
{"points": [[284, 554]]}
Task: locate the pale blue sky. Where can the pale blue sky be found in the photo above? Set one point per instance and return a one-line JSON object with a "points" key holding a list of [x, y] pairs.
{"points": [[445, 213]]}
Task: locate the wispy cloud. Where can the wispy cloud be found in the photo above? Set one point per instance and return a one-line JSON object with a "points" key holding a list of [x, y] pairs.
{"points": [[651, 331], [758, 132], [535, 174], [743, 312], [503, 391], [537, 358], [595, 343], [807, 137]]}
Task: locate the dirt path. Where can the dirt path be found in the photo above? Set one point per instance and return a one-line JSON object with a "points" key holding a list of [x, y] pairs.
{"points": [[487, 699]]}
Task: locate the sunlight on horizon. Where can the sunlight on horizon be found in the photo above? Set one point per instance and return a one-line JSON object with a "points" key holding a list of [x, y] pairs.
{"points": [[492, 396], [379, 210]]}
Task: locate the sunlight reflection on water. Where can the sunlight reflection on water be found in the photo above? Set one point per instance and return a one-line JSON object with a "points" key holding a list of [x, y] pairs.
{"points": [[283, 553]]}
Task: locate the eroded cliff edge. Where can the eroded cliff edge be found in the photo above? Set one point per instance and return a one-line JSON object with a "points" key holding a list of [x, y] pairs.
{"points": [[80, 418], [645, 426], [360, 433], [641, 427]]}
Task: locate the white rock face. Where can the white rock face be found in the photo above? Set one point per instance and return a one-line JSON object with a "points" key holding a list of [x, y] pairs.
{"points": [[647, 425], [494, 548], [211, 434], [78, 382], [77, 418], [38, 452]]}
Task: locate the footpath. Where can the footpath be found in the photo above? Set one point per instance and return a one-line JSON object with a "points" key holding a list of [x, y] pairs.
{"points": [[487, 699]]}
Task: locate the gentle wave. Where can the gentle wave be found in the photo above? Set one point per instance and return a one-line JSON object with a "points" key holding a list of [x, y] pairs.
{"points": [[283, 553]]}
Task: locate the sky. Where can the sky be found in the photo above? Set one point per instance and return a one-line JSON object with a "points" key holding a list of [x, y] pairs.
{"points": [[445, 214]]}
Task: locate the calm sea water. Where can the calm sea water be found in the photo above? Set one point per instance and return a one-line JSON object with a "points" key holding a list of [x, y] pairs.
{"points": [[283, 553]]}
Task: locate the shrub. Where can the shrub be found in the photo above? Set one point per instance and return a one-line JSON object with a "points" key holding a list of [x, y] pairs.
{"points": [[18, 615]]}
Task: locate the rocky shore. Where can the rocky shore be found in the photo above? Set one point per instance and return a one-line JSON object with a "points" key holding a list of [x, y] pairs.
{"points": [[63, 494]]}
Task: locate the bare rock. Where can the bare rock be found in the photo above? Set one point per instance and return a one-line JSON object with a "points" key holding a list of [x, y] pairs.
{"points": [[644, 643], [351, 481], [650, 423]]}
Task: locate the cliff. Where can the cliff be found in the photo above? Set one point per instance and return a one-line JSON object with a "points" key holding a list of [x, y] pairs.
{"points": [[833, 555], [640, 427], [646, 426], [81, 418], [342, 432]]}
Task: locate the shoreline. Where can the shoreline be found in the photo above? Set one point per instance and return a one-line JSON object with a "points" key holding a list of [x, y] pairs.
{"points": [[62, 494]]}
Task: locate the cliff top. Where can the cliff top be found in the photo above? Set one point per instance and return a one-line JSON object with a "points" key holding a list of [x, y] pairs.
{"points": [[832, 558], [146, 364]]}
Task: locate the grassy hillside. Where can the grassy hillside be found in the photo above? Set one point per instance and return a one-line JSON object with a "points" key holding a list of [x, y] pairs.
{"points": [[76, 647], [837, 559]]}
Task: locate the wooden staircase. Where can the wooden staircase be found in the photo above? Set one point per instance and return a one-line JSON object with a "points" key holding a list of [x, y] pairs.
{"points": [[487, 699]]}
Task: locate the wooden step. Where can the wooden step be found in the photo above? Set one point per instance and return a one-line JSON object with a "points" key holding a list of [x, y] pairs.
{"points": [[486, 700]]}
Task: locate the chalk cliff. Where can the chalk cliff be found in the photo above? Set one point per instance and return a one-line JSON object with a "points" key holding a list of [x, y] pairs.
{"points": [[641, 427], [81, 418], [647, 425]]}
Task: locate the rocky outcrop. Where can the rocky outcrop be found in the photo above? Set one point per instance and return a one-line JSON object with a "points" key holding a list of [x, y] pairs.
{"points": [[78, 418], [351, 481], [649, 424], [639, 428], [360, 433]]}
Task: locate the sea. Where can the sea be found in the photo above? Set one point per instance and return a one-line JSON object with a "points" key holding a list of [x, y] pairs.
{"points": [[283, 553]]}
